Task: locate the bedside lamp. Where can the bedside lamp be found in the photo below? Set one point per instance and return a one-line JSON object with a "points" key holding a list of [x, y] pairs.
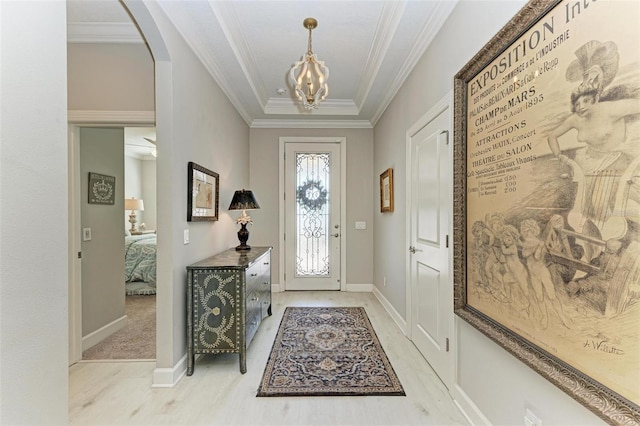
{"points": [[133, 204], [243, 200]]}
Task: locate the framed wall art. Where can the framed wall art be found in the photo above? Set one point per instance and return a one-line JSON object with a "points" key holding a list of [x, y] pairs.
{"points": [[386, 191], [102, 189], [547, 197], [202, 194]]}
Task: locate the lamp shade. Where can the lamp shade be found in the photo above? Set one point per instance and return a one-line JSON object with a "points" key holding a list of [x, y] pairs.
{"points": [[243, 200], [133, 204]]}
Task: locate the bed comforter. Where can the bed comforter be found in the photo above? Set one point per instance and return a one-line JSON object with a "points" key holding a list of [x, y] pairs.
{"points": [[140, 258]]}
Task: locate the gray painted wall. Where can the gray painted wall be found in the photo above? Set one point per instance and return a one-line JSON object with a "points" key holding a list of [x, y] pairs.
{"points": [[33, 214], [195, 122], [360, 202], [497, 383], [110, 77], [101, 151]]}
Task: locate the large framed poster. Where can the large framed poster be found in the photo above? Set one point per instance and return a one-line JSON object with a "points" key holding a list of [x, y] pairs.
{"points": [[547, 197]]}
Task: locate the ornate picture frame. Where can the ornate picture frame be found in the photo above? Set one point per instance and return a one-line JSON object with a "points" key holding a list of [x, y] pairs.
{"points": [[386, 191], [202, 194], [546, 240]]}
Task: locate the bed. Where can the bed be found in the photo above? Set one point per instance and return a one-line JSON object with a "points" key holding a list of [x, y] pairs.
{"points": [[140, 264]]}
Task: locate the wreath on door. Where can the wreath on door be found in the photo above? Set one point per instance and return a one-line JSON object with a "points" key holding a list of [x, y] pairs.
{"points": [[312, 195]]}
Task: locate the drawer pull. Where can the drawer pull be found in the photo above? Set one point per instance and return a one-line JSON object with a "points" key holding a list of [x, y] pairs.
{"points": [[265, 263], [253, 275], [254, 299]]}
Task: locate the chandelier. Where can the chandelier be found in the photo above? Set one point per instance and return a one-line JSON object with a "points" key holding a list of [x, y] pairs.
{"points": [[309, 76]]}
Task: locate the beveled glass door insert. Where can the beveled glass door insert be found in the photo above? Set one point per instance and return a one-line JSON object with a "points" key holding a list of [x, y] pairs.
{"points": [[312, 216]]}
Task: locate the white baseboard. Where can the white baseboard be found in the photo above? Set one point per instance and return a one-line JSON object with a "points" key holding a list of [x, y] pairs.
{"points": [[397, 318], [363, 288], [169, 377], [367, 288], [102, 333], [468, 408]]}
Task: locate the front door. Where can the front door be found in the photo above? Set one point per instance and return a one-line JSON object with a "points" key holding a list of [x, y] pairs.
{"points": [[430, 279], [312, 216]]}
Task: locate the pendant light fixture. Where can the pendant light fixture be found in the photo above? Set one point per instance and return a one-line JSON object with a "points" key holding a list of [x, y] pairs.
{"points": [[310, 75]]}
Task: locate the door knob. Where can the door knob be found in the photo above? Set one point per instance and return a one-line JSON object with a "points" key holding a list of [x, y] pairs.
{"points": [[413, 250], [336, 235]]}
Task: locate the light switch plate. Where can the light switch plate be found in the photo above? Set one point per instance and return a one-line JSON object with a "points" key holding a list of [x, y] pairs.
{"points": [[86, 234], [361, 225], [186, 236]]}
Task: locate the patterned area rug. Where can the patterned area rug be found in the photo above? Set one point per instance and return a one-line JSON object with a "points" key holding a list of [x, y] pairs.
{"points": [[327, 351]]}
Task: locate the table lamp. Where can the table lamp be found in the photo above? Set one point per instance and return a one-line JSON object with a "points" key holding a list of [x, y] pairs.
{"points": [[133, 204], [243, 200]]}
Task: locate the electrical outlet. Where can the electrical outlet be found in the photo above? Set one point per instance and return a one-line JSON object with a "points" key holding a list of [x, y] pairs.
{"points": [[361, 225], [531, 419], [186, 236]]}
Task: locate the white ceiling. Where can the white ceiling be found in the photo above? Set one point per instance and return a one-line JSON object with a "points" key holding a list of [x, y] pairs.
{"points": [[248, 46], [140, 142]]}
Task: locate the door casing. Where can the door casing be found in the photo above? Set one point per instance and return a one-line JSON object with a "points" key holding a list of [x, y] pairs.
{"points": [[342, 141]]}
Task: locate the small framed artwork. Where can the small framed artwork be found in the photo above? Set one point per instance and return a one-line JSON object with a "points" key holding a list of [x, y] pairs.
{"points": [[102, 189], [386, 191], [202, 194]]}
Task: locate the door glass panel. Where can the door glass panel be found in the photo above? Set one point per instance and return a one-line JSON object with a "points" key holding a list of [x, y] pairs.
{"points": [[312, 214]]}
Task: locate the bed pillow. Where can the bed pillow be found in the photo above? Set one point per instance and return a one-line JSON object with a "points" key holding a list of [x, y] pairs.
{"points": [[126, 232]]}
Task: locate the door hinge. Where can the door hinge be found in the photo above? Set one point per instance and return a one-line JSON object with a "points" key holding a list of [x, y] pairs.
{"points": [[79, 255], [446, 241], [447, 344]]}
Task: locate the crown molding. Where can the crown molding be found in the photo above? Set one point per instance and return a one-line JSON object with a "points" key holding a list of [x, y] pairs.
{"points": [[328, 107], [207, 58], [440, 14], [310, 124], [139, 118], [385, 31], [103, 32], [229, 21]]}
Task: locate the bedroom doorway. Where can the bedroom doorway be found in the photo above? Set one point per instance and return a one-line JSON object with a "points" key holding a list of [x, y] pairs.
{"points": [[111, 320]]}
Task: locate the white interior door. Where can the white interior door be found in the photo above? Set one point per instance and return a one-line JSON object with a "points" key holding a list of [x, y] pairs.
{"points": [[431, 289], [312, 216]]}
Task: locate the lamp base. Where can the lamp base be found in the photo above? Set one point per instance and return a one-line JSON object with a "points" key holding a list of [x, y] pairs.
{"points": [[243, 236], [133, 220]]}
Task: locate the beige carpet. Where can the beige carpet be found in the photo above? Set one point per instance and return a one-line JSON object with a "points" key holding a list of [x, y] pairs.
{"points": [[137, 340]]}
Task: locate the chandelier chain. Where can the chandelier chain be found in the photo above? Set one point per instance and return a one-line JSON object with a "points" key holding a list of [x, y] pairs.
{"points": [[310, 50]]}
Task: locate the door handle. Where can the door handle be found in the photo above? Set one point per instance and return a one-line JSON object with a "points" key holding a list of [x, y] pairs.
{"points": [[413, 250], [336, 235]]}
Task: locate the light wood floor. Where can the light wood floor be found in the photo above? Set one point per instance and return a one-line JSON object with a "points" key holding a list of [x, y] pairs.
{"points": [[119, 393]]}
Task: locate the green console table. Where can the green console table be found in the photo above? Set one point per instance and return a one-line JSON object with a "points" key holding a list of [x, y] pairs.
{"points": [[228, 297]]}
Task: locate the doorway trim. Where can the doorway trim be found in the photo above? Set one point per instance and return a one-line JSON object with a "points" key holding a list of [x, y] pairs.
{"points": [[440, 106], [74, 123], [342, 141]]}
